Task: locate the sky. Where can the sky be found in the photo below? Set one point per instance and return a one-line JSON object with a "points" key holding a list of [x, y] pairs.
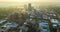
{"points": [[17, 2], [29, 0]]}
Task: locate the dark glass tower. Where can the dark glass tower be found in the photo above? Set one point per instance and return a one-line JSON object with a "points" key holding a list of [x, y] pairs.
{"points": [[29, 7]]}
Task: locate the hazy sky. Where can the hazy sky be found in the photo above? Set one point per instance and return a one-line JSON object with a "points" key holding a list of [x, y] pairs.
{"points": [[29, 0], [17, 2]]}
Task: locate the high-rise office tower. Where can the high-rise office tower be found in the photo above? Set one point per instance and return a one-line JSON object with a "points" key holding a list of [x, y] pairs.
{"points": [[29, 7], [25, 7]]}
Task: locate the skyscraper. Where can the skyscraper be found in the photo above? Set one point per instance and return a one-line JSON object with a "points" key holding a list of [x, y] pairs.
{"points": [[29, 7]]}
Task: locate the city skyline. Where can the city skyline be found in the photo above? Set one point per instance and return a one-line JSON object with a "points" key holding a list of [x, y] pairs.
{"points": [[4, 3]]}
